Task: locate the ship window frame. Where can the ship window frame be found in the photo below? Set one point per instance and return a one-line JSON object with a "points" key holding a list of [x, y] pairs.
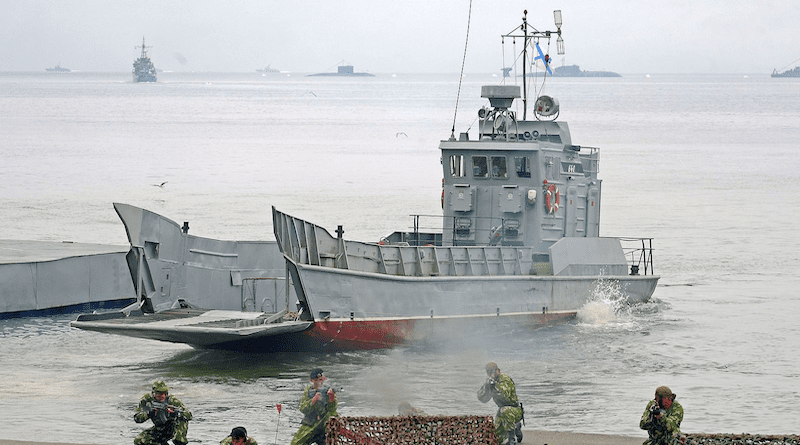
{"points": [[502, 169], [483, 171], [457, 166], [525, 171]]}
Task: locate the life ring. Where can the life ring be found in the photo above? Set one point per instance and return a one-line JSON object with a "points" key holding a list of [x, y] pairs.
{"points": [[552, 200]]}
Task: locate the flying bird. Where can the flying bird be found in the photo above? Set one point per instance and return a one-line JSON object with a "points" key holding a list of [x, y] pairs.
{"points": [[160, 185]]}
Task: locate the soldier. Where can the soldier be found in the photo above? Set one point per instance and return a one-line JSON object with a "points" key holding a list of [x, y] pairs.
{"points": [[170, 418], [238, 436], [662, 419], [501, 388], [318, 404]]}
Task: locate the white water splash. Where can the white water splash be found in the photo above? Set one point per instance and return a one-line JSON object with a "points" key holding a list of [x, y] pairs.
{"points": [[607, 306]]}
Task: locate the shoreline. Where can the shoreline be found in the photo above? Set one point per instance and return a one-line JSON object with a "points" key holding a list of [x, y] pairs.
{"points": [[531, 437]]}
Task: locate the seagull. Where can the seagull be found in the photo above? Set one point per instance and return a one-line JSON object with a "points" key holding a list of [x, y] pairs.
{"points": [[160, 185], [398, 134]]}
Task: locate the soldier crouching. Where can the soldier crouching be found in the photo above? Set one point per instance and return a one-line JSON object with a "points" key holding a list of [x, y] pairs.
{"points": [[170, 418]]}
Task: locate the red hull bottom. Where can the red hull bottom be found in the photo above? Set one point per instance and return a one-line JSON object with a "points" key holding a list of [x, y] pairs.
{"points": [[351, 335]]}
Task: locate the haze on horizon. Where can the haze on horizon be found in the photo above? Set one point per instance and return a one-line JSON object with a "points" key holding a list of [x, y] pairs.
{"points": [[406, 36]]}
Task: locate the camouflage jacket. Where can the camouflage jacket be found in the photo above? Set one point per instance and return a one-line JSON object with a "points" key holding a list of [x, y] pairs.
{"points": [[663, 431], [318, 412], [503, 391], [143, 410]]}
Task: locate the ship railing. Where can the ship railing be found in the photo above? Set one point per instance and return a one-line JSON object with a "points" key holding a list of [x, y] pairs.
{"points": [[427, 230], [639, 253]]}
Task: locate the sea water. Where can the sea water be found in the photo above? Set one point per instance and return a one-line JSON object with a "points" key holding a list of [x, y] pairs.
{"points": [[707, 165]]}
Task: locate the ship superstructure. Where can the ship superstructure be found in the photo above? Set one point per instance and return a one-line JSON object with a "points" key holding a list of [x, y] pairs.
{"points": [[143, 69]]}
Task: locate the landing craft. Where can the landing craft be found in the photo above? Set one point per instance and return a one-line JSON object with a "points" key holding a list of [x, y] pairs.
{"points": [[519, 244]]}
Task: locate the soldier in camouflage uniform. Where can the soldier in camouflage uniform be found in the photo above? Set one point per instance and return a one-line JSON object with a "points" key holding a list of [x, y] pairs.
{"points": [[172, 423], [317, 407], [501, 388], [238, 436], [662, 419]]}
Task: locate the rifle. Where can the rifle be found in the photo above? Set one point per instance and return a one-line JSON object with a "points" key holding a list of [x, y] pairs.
{"points": [[162, 412], [323, 392], [656, 410]]}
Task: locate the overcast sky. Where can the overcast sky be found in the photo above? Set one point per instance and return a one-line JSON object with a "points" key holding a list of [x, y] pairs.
{"points": [[397, 36]]}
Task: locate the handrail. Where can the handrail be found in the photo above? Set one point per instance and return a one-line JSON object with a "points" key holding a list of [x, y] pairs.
{"points": [[638, 256]]}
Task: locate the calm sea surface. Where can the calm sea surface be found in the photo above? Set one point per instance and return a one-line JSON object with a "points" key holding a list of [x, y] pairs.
{"points": [[706, 164]]}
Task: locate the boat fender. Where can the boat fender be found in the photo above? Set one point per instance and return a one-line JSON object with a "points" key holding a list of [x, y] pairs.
{"points": [[552, 200]]}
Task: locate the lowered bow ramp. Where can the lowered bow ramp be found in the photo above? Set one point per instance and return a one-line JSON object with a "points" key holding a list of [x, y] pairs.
{"points": [[199, 328]]}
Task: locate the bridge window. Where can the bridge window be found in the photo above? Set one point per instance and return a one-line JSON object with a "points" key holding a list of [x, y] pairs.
{"points": [[523, 167], [499, 168], [457, 169], [480, 167]]}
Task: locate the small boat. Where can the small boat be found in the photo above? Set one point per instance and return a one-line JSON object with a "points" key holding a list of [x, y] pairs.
{"points": [[143, 69], [575, 71], [519, 245], [344, 71], [58, 69]]}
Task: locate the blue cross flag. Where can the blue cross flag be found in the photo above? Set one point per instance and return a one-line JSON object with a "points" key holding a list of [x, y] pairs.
{"points": [[545, 59]]}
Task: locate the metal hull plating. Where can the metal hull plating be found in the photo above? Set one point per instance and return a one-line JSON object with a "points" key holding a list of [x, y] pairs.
{"points": [[338, 293], [46, 278]]}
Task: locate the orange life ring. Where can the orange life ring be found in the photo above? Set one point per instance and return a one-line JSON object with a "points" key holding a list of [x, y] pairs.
{"points": [[552, 200]]}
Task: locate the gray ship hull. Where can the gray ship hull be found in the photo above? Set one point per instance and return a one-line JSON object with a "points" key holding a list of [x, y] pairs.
{"points": [[403, 291], [42, 278], [342, 294]]}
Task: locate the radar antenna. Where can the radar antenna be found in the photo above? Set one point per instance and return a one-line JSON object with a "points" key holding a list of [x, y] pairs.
{"points": [[527, 35]]}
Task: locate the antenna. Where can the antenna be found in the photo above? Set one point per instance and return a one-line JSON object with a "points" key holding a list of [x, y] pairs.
{"points": [[534, 34]]}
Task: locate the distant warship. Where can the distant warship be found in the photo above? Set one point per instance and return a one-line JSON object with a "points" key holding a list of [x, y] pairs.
{"points": [[344, 70], [267, 69], [58, 69], [575, 71], [143, 69], [794, 72]]}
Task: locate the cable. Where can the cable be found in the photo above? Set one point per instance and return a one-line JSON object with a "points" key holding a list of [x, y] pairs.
{"points": [[461, 77]]}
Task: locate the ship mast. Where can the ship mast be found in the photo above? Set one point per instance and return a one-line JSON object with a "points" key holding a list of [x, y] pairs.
{"points": [[535, 34], [144, 51]]}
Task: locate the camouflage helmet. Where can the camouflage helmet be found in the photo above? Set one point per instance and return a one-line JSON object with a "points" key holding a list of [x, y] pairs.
{"points": [[491, 367], [664, 391], [160, 386]]}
